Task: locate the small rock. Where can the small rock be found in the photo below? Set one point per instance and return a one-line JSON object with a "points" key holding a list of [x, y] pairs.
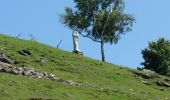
{"points": [[163, 84], [131, 90], [69, 82], [20, 68], [145, 82], [167, 84], [39, 77], [162, 89], [26, 73], [167, 80], [148, 71], [5, 59], [166, 98]]}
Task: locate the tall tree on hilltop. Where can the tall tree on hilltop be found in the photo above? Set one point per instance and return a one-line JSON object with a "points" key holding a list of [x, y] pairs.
{"points": [[102, 21]]}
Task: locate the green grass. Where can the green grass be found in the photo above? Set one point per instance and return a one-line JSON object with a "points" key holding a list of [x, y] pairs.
{"points": [[120, 81]]}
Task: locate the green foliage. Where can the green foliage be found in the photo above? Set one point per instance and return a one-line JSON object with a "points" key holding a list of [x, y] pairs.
{"points": [[157, 56], [100, 20]]}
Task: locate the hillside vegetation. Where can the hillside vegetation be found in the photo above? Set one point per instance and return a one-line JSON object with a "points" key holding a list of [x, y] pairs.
{"points": [[108, 81]]}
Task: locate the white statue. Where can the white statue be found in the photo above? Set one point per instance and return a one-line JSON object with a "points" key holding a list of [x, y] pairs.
{"points": [[75, 41]]}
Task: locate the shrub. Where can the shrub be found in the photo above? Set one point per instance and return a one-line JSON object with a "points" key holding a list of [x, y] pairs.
{"points": [[157, 56]]}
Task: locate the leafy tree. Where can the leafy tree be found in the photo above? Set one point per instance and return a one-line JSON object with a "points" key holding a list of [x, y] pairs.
{"points": [[102, 21], [157, 56]]}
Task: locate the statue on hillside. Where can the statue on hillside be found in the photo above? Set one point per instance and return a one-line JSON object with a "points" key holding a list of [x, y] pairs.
{"points": [[75, 43]]}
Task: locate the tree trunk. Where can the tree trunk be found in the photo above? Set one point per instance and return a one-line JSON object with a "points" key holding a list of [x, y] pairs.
{"points": [[102, 51]]}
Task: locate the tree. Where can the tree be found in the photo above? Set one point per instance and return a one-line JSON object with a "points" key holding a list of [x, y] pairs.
{"points": [[102, 21], [157, 56]]}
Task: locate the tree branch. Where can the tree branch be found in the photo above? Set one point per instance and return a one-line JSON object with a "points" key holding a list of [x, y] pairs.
{"points": [[89, 37]]}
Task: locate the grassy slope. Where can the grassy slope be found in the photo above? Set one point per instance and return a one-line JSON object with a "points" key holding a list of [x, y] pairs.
{"points": [[121, 82]]}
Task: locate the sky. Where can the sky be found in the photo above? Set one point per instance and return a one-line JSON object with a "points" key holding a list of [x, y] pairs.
{"points": [[41, 18]]}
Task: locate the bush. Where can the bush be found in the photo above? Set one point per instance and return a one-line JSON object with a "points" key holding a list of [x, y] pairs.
{"points": [[157, 56]]}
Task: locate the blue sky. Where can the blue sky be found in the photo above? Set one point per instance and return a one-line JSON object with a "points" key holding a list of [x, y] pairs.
{"points": [[41, 18]]}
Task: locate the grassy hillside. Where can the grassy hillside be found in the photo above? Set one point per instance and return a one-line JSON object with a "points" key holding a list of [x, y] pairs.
{"points": [[121, 82]]}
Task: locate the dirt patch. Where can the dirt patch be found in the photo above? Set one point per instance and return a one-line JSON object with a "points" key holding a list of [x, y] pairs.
{"points": [[25, 52]]}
